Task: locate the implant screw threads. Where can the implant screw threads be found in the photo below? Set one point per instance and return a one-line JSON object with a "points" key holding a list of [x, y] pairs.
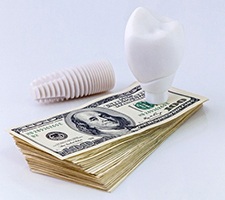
{"points": [[73, 83]]}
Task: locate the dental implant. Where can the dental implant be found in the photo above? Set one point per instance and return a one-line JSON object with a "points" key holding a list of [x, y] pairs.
{"points": [[73, 83]]}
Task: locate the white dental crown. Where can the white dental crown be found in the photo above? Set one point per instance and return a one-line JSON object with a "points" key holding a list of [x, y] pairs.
{"points": [[154, 50]]}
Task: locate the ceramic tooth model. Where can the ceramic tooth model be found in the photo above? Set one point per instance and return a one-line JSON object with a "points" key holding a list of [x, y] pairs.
{"points": [[75, 82], [154, 50]]}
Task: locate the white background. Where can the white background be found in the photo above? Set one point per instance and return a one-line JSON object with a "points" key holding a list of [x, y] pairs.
{"points": [[38, 37]]}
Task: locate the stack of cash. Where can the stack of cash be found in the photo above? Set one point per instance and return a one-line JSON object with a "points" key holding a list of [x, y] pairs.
{"points": [[102, 142]]}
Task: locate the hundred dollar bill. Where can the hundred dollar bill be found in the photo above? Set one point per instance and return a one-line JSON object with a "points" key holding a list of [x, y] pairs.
{"points": [[104, 120]]}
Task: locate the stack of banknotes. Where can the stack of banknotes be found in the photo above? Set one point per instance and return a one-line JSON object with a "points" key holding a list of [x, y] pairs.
{"points": [[102, 142]]}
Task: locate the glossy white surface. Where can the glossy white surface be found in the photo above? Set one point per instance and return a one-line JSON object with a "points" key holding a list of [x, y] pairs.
{"points": [[38, 37], [154, 50]]}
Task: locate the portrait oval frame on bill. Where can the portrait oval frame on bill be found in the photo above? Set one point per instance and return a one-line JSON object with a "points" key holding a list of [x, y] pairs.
{"points": [[124, 122]]}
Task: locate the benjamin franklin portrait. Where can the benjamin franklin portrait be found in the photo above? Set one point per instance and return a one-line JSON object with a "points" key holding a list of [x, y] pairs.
{"points": [[99, 122]]}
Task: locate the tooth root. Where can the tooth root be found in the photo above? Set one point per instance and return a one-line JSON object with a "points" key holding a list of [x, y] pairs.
{"points": [[73, 83]]}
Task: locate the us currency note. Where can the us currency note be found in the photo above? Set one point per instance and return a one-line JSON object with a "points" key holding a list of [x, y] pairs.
{"points": [[104, 120]]}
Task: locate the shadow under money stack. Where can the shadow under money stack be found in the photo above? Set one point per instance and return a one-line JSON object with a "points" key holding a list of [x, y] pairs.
{"points": [[101, 143]]}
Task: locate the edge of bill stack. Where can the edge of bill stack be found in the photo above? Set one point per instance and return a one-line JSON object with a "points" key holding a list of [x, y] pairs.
{"points": [[101, 142]]}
